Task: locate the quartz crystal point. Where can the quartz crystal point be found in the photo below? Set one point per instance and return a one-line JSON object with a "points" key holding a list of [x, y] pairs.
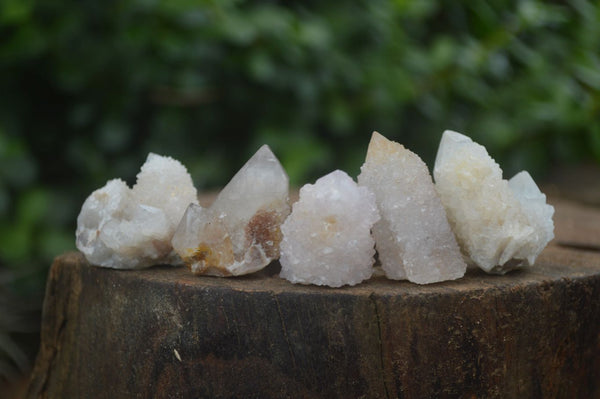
{"points": [[327, 238], [240, 233], [413, 238], [125, 228], [499, 224]]}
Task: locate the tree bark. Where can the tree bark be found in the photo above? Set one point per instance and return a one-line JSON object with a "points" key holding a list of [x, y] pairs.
{"points": [[165, 333]]}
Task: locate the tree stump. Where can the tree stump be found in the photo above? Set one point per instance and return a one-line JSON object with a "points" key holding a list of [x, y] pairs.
{"points": [[165, 333]]}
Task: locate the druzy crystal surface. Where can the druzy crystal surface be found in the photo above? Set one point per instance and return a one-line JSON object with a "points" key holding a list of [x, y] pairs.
{"points": [[125, 228], [413, 238], [240, 232], [499, 224], [326, 238]]}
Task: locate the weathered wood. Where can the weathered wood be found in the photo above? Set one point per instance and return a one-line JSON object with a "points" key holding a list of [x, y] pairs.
{"points": [[166, 333]]}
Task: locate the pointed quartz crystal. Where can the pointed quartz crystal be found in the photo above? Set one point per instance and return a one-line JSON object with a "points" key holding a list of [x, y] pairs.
{"points": [[125, 228], [499, 224], [327, 238], [413, 237], [240, 233]]}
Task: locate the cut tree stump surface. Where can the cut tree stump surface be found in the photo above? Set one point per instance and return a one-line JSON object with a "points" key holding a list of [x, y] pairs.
{"points": [[165, 333]]}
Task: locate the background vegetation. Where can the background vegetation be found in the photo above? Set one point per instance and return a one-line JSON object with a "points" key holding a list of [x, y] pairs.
{"points": [[88, 88]]}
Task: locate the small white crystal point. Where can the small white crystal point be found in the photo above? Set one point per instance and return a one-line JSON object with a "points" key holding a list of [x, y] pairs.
{"points": [[163, 182], [326, 238], [125, 228], [240, 232], [413, 237], [500, 225], [539, 213]]}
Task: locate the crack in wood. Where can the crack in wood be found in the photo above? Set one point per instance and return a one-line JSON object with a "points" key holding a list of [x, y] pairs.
{"points": [[579, 246], [381, 362], [284, 329], [54, 348]]}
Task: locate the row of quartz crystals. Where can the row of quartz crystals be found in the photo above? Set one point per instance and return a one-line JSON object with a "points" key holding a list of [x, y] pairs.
{"points": [[423, 231]]}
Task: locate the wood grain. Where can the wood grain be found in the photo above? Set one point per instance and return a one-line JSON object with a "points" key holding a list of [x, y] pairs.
{"points": [[165, 333]]}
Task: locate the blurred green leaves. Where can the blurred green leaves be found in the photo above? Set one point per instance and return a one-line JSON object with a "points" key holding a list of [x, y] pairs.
{"points": [[89, 88]]}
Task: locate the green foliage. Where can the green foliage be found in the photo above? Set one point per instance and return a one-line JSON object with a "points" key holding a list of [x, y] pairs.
{"points": [[88, 88]]}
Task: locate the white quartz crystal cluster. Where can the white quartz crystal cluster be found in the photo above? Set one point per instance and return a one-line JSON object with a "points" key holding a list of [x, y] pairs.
{"points": [[499, 224], [414, 239], [240, 233], [327, 238], [422, 232], [129, 228]]}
